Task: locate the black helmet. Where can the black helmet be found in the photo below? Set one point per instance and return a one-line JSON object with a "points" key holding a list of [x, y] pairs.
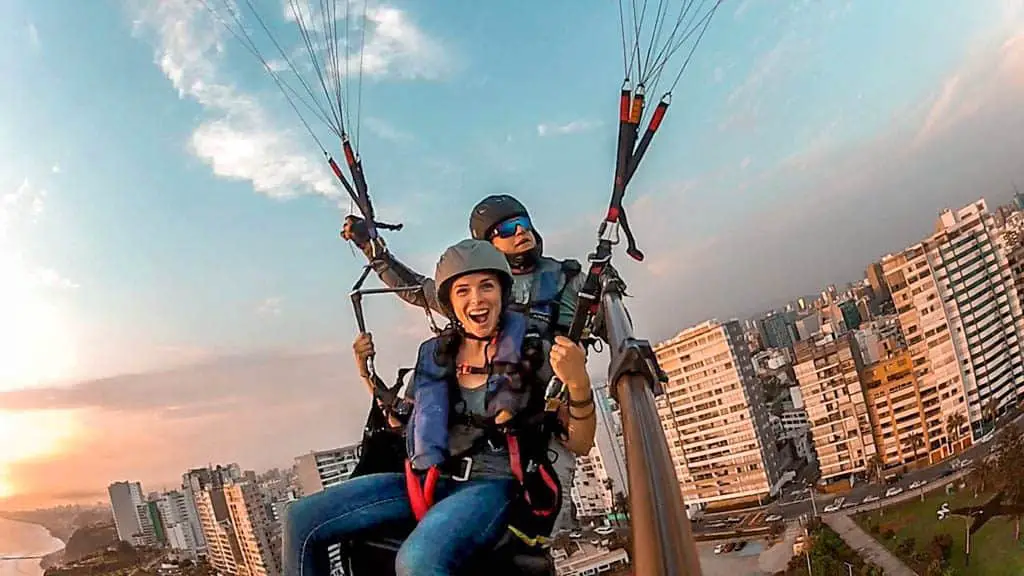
{"points": [[491, 211], [466, 257]]}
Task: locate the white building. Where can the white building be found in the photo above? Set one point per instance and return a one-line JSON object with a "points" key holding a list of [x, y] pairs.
{"points": [[181, 521], [610, 441], [714, 416], [589, 494], [325, 468], [961, 317], [587, 560], [125, 499]]}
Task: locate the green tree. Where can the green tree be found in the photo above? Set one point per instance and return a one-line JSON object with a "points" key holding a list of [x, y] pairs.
{"points": [[915, 442], [1010, 449]]}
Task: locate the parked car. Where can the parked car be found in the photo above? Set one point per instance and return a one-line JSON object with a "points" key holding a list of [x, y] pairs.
{"points": [[917, 484], [739, 545], [719, 548], [772, 518], [604, 530], [895, 490], [871, 498]]}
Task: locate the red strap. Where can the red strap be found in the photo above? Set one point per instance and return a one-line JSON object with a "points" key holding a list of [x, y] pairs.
{"points": [[517, 470], [421, 498], [513, 457]]}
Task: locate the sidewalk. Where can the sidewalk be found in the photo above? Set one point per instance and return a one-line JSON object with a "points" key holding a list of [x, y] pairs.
{"points": [[866, 546]]}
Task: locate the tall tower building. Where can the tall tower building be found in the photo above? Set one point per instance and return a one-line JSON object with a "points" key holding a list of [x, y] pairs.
{"points": [[259, 555], [589, 493], [222, 547], [610, 441], [828, 371], [897, 414], [961, 317], [714, 415], [325, 468], [125, 499]]}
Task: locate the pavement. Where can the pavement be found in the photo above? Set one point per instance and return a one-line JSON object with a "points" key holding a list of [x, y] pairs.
{"points": [[867, 547]]}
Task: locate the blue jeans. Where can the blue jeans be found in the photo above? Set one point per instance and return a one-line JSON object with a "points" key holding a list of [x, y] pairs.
{"points": [[465, 517]]}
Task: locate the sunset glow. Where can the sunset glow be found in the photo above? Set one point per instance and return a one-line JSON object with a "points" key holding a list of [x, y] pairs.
{"points": [[30, 435]]}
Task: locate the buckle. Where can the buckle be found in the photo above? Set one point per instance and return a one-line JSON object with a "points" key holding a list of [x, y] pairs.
{"points": [[467, 463]]}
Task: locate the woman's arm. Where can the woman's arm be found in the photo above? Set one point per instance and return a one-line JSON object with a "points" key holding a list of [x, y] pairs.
{"points": [[579, 416]]}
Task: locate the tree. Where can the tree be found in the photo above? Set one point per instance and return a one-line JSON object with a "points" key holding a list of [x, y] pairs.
{"points": [[1010, 447], [990, 410], [983, 476], [954, 427], [874, 469], [915, 442]]}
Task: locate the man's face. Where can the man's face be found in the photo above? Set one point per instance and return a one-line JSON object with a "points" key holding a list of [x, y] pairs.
{"points": [[514, 235]]}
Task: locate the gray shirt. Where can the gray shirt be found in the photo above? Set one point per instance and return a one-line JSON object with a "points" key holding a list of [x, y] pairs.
{"points": [[487, 463]]}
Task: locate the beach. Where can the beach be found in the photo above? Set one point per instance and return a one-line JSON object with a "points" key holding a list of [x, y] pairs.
{"points": [[22, 539]]}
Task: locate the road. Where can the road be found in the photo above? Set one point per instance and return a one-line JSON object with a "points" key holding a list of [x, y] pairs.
{"points": [[789, 508]]}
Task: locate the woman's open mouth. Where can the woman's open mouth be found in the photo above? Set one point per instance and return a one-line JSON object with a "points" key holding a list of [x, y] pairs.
{"points": [[479, 316]]}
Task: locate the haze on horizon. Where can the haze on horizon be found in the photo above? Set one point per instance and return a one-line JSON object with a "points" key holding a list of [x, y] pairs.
{"points": [[170, 264]]}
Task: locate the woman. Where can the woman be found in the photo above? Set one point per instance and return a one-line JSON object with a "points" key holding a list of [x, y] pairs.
{"points": [[460, 483]]}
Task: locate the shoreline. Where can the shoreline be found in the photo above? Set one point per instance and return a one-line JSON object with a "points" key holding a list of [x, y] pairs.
{"points": [[40, 565]]}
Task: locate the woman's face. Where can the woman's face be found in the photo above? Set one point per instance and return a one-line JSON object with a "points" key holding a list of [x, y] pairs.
{"points": [[476, 301]]}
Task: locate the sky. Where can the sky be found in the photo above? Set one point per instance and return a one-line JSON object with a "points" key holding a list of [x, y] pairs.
{"points": [[172, 285]]}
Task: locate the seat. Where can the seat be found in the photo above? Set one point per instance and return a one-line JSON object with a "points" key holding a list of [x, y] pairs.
{"points": [[509, 557]]}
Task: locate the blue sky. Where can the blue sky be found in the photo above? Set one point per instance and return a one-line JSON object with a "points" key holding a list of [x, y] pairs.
{"points": [[165, 206]]}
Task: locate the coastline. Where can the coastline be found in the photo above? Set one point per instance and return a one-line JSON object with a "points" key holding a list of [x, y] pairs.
{"points": [[50, 554]]}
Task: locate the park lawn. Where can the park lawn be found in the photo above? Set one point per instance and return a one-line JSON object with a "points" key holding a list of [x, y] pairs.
{"points": [[993, 549]]}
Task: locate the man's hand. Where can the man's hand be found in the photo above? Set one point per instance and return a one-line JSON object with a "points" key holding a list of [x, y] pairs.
{"points": [[355, 231], [362, 348]]}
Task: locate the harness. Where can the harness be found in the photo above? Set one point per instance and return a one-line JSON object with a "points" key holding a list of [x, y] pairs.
{"points": [[511, 385], [550, 279]]}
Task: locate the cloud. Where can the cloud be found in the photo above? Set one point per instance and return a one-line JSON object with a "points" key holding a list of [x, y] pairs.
{"points": [[828, 210], [574, 127], [270, 306], [33, 35], [239, 137], [55, 168], [386, 131], [258, 410]]}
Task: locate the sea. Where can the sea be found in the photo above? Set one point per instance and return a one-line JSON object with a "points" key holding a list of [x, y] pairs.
{"points": [[21, 539]]}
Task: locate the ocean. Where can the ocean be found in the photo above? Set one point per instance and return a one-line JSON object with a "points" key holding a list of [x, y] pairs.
{"points": [[20, 539]]}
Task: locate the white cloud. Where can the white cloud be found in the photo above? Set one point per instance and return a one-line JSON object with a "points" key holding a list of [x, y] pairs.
{"points": [[270, 306], [385, 130], [56, 168], [33, 35], [574, 127], [26, 199], [240, 138]]}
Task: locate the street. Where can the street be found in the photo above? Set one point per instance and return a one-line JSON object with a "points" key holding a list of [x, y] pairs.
{"points": [[795, 501]]}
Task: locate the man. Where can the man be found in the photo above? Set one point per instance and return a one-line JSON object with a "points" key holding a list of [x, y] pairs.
{"points": [[544, 289]]}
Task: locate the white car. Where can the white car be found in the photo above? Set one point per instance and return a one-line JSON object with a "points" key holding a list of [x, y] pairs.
{"points": [[871, 498], [832, 508], [719, 548], [773, 518], [893, 491], [918, 484], [575, 535], [604, 530]]}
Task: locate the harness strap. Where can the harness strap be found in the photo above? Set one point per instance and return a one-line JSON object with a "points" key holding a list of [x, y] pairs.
{"points": [[516, 462], [421, 498]]}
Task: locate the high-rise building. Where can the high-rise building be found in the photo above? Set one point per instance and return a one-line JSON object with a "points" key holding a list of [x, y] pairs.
{"points": [[589, 493], [222, 547], [610, 441], [897, 413], [181, 521], [850, 313], [325, 468], [714, 415], [259, 551], [961, 317], [125, 499], [879, 286], [153, 531], [828, 371], [778, 330]]}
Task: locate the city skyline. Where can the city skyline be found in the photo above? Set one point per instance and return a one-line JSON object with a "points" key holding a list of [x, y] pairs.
{"points": [[265, 338]]}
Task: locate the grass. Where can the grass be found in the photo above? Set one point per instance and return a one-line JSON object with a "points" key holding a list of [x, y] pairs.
{"points": [[994, 552]]}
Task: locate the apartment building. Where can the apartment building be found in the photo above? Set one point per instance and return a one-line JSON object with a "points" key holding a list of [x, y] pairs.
{"points": [[325, 468], [589, 492], [714, 416], [828, 371], [961, 318], [125, 499], [897, 413], [259, 552]]}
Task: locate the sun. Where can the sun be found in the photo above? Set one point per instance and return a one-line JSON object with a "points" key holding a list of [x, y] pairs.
{"points": [[31, 435]]}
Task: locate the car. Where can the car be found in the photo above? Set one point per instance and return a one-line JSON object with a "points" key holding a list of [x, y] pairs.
{"points": [[719, 548], [833, 507], [739, 545], [729, 547], [733, 519], [987, 437], [773, 518], [871, 498], [575, 535], [917, 484], [850, 504], [604, 530], [893, 491]]}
